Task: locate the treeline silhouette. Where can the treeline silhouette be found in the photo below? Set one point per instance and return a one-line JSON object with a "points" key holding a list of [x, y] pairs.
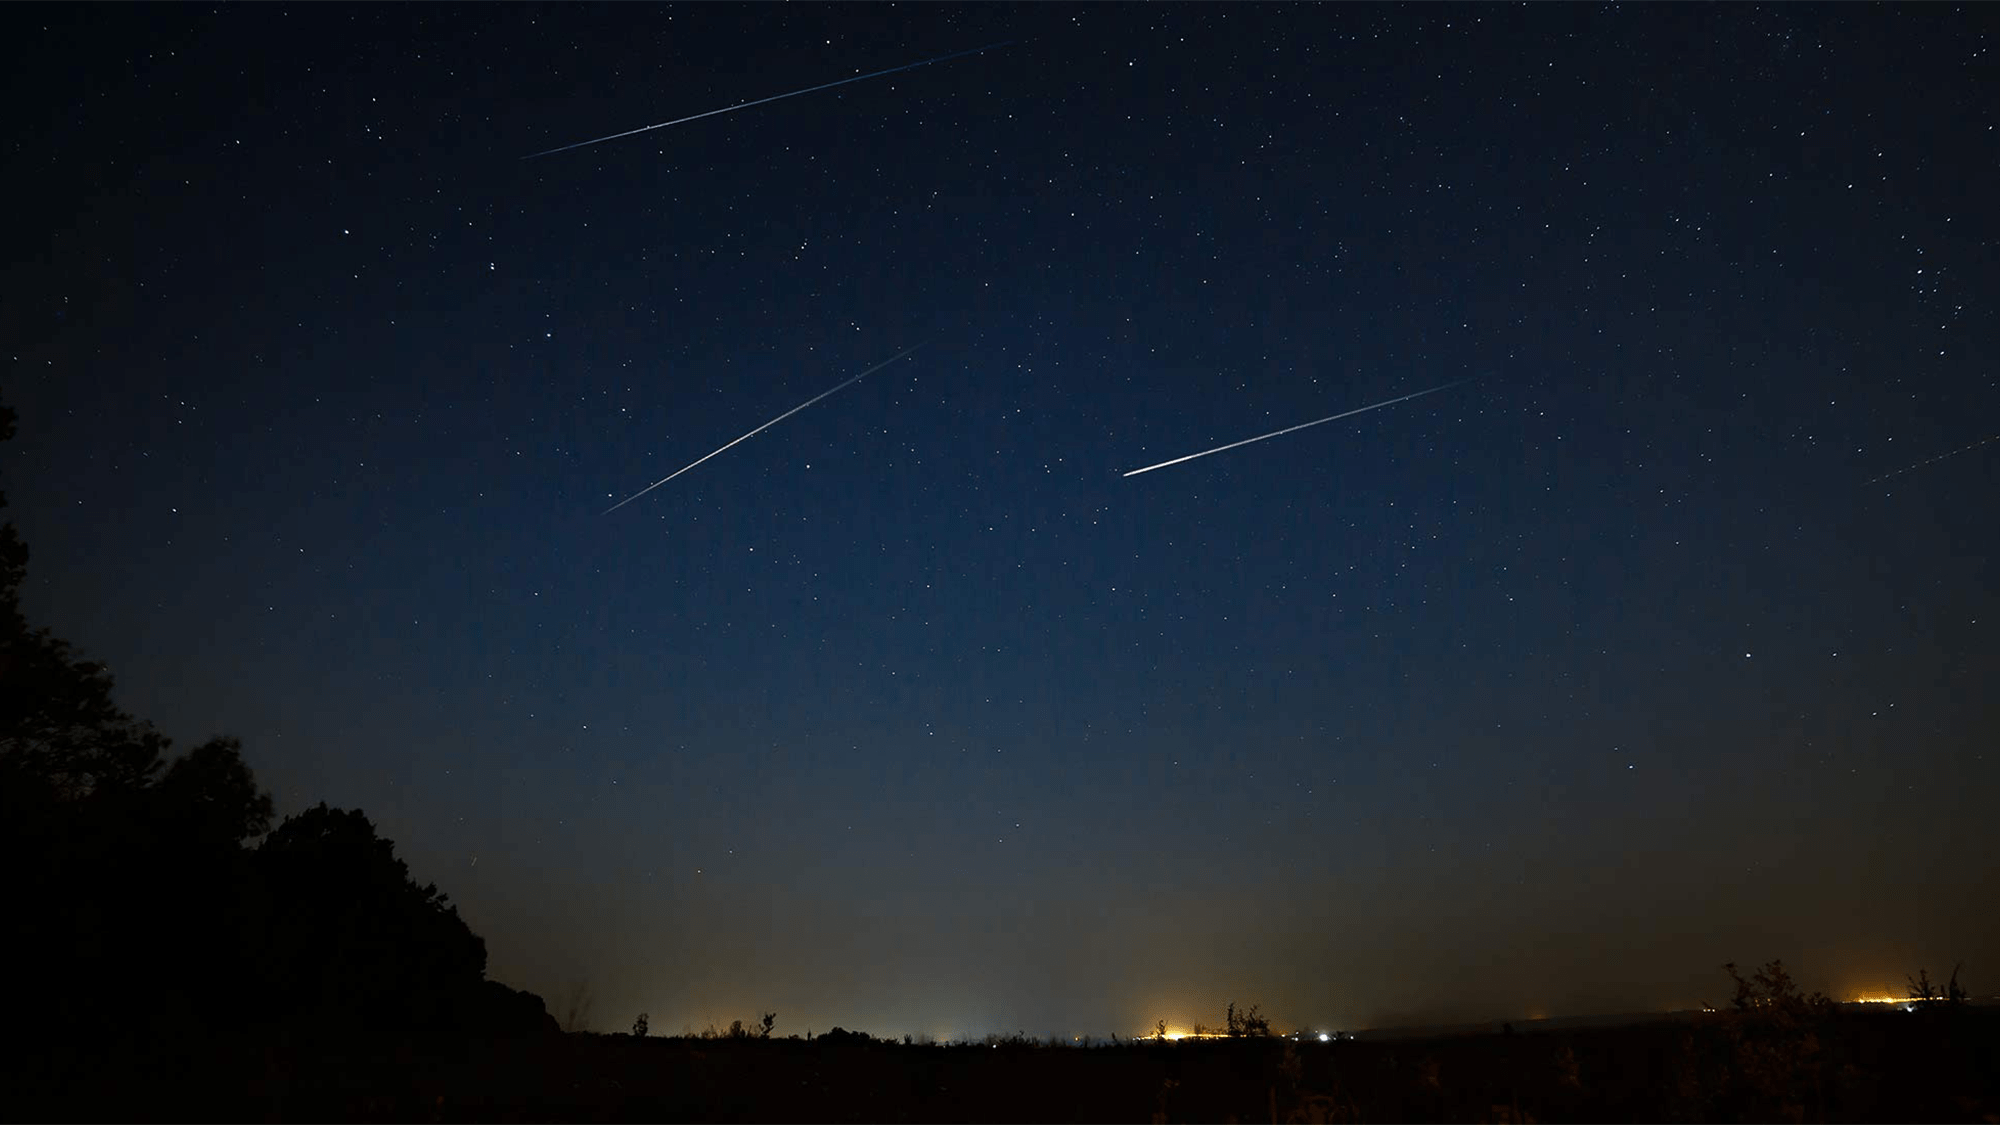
{"points": [[173, 952]]}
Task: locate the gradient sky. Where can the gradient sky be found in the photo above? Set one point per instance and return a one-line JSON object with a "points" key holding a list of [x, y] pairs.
{"points": [[1548, 693]]}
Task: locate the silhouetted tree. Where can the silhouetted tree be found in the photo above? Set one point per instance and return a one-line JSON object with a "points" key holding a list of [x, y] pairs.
{"points": [[61, 737], [1771, 988], [213, 794], [1776, 1038], [130, 891], [344, 937], [639, 1027], [1926, 992], [110, 855]]}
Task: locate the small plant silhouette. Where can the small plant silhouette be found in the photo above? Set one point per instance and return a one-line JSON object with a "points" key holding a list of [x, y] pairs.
{"points": [[1248, 1023]]}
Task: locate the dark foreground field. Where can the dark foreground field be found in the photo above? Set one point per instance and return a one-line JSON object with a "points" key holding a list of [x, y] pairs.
{"points": [[1857, 1066]]}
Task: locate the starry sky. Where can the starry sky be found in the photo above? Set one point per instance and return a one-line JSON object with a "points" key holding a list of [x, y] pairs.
{"points": [[1670, 638]]}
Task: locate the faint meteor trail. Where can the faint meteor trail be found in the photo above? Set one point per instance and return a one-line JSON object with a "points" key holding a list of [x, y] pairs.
{"points": [[1933, 460], [1295, 429], [772, 98], [765, 426]]}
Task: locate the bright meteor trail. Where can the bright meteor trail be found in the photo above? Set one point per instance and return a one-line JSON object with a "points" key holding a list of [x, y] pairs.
{"points": [[762, 101], [765, 426], [1294, 429]]}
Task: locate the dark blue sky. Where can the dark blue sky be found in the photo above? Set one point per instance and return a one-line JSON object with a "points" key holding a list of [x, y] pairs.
{"points": [[1546, 693]]}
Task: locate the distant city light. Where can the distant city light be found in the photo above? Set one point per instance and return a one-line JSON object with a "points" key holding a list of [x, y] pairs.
{"points": [[1178, 1036]]}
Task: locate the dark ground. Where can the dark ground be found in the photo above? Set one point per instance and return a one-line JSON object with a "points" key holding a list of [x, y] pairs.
{"points": [[1941, 1065]]}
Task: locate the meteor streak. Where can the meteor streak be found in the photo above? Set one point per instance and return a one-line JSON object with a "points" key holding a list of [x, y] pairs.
{"points": [[765, 426], [762, 101], [1294, 429], [1934, 460]]}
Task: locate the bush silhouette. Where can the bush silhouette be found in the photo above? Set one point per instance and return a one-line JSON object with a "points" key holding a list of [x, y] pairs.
{"points": [[1777, 1043]]}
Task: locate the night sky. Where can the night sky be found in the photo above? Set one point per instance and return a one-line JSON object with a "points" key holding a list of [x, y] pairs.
{"points": [[1669, 638]]}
